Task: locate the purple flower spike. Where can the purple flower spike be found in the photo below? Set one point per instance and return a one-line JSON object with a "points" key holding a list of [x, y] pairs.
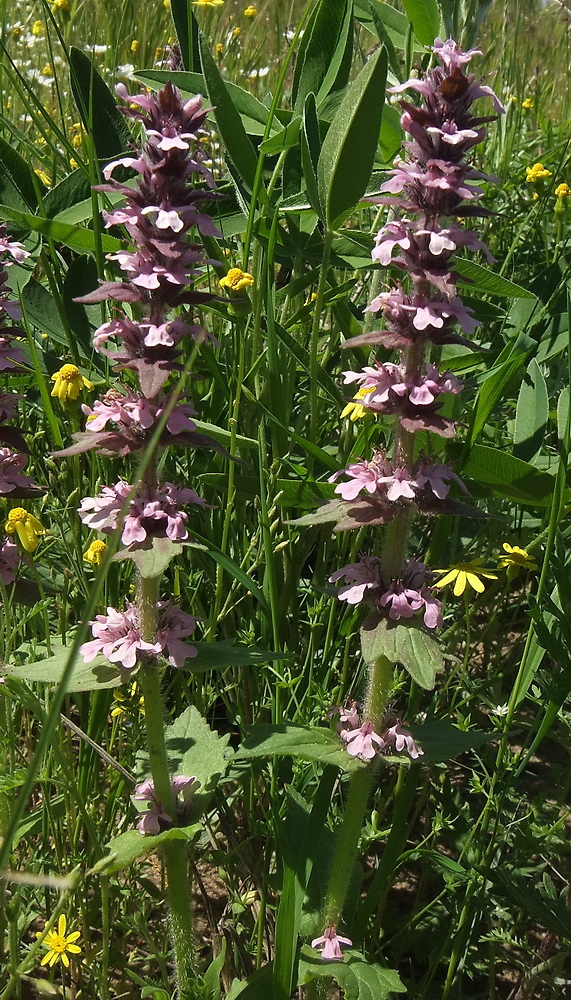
{"points": [[400, 738], [155, 819], [117, 635], [174, 626], [361, 577], [151, 513], [330, 944]]}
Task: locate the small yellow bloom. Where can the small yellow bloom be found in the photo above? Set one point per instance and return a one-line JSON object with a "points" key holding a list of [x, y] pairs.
{"points": [[219, 50], [26, 526], [527, 104], [465, 574], [95, 553], [63, 5], [124, 703], [208, 3], [167, 4], [537, 173], [236, 32], [16, 31], [562, 191], [48, 70], [515, 560], [59, 944], [43, 176], [73, 163], [250, 11], [134, 46], [355, 410], [37, 28], [236, 281], [68, 383]]}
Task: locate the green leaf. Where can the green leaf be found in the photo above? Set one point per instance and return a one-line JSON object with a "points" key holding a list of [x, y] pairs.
{"points": [[292, 492], [97, 107], [310, 150], [80, 278], [224, 436], [76, 238], [321, 51], [328, 512], [233, 134], [16, 183], [358, 977], [492, 390], [187, 34], [392, 135], [131, 845], [425, 19], [305, 742], [193, 750], [408, 644], [211, 978], [71, 191], [224, 654], [509, 476], [236, 571], [349, 148], [442, 741], [484, 280], [41, 311], [376, 12], [152, 557], [532, 414], [84, 676]]}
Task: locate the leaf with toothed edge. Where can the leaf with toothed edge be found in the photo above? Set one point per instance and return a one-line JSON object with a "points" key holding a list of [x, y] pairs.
{"points": [[409, 644]]}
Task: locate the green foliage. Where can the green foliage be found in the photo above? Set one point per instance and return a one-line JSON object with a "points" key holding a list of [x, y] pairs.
{"points": [[305, 742], [411, 645], [97, 107], [132, 845], [358, 977], [83, 677]]}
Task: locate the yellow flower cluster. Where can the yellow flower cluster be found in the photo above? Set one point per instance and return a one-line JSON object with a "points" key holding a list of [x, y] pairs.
{"points": [[471, 574], [236, 281], [562, 191], [527, 104], [95, 553], [537, 173], [250, 11]]}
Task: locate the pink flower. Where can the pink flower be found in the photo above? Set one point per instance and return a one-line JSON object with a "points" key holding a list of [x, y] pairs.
{"points": [[117, 635], [359, 742], [403, 601], [361, 577], [330, 945], [401, 739], [174, 626], [155, 819], [151, 512]]}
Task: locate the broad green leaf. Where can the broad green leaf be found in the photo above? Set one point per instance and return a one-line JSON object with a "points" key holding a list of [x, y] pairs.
{"points": [[306, 742], [488, 281], [349, 148], [97, 107], [392, 135], [224, 436], [84, 676], [41, 311], [74, 237], [81, 278], [532, 414], [193, 750], [71, 191], [258, 985], [211, 977], [322, 50], [563, 412], [16, 184], [358, 977], [376, 11], [509, 476], [442, 741], [131, 845], [424, 17], [187, 33], [310, 150], [284, 139], [152, 557], [409, 644], [232, 132]]}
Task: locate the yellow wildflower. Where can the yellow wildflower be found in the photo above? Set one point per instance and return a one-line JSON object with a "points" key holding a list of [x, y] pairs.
{"points": [[37, 28], [43, 176], [250, 11], [73, 163], [354, 410], [515, 560], [16, 31], [26, 526], [208, 3], [236, 32], [167, 4], [134, 46], [527, 104], [123, 702], [63, 5], [236, 281], [537, 173], [219, 50], [48, 70], [68, 383], [59, 944], [95, 553], [562, 191], [465, 574]]}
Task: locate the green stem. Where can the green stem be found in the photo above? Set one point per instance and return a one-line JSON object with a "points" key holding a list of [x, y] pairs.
{"points": [[315, 329], [359, 790], [175, 851]]}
